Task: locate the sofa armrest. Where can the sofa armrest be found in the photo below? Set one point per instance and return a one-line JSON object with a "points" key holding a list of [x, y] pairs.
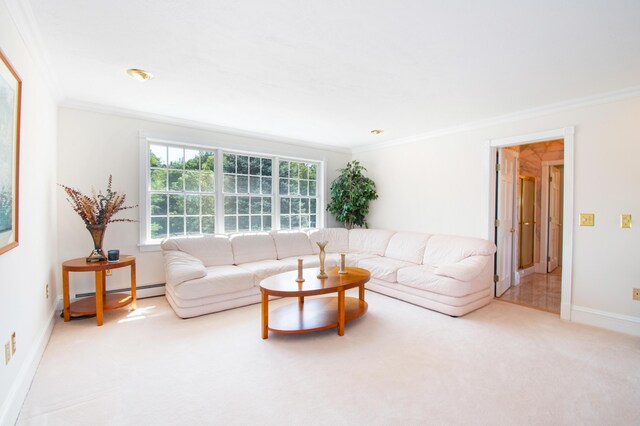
{"points": [[180, 267], [464, 270]]}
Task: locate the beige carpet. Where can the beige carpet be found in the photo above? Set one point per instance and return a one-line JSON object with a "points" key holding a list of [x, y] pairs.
{"points": [[399, 364]]}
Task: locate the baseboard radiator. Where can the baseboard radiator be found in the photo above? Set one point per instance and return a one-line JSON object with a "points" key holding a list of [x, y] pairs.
{"points": [[139, 289]]}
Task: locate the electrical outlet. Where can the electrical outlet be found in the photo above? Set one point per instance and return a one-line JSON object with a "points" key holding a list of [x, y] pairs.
{"points": [[13, 343], [7, 353], [586, 219], [109, 272], [46, 290], [625, 220], [636, 294]]}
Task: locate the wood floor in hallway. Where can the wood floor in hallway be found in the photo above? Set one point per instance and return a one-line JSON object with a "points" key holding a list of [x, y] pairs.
{"points": [[540, 291]]}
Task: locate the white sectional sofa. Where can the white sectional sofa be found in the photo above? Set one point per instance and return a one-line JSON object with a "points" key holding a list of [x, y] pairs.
{"points": [[448, 274]]}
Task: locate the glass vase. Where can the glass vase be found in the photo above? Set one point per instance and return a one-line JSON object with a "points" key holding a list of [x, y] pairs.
{"points": [[97, 234]]}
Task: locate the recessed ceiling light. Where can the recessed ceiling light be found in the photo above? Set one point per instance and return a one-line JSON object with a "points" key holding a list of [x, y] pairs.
{"points": [[377, 131], [140, 75]]}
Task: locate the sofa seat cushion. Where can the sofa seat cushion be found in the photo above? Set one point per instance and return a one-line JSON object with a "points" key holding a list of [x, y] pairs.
{"points": [[352, 259], [465, 270], [422, 277], [219, 280], [337, 239], [253, 247], [373, 241], [267, 268], [383, 268], [312, 261], [289, 244]]}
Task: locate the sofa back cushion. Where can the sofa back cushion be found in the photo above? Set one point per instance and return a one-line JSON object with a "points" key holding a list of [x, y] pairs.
{"points": [[407, 246], [212, 250], [338, 239], [289, 244], [446, 249], [253, 247], [372, 241]]}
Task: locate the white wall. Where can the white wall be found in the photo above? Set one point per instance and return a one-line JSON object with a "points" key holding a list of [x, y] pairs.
{"points": [[92, 145], [26, 269], [437, 185]]}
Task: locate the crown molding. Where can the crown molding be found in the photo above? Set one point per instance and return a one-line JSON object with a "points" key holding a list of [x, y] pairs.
{"points": [[598, 99], [192, 124], [25, 21]]}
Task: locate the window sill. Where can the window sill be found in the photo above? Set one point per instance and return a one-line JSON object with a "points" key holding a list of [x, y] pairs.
{"points": [[149, 247]]}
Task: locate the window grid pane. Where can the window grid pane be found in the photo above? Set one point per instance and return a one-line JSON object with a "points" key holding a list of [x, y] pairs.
{"points": [[299, 198], [247, 192], [181, 191]]}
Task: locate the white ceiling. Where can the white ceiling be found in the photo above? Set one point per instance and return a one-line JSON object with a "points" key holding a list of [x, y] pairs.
{"points": [[329, 71]]}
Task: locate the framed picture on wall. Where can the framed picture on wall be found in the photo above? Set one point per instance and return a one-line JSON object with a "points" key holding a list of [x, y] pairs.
{"points": [[10, 101]]}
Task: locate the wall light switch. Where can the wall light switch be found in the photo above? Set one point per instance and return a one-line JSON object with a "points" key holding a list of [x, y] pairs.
{"points": [[586, 219], [625, 220]]}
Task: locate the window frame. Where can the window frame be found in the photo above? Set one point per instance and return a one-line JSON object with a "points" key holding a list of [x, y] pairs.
{"points": [[145, 241]]}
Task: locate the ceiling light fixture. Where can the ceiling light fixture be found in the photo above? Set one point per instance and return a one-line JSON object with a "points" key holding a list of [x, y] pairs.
{"points": [[377, 131], [140, 75]]}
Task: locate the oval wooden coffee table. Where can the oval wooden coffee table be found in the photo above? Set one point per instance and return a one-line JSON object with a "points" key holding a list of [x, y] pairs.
{"points": [[313, 314]]}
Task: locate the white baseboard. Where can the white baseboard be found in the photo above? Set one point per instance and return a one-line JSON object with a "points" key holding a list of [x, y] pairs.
{"points": [[12, 405], [150, 292], [609, 320], [524, 272]]}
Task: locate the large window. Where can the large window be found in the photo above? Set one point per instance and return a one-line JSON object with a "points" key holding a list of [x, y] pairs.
{"points": [[181, 191], [192, 190]]}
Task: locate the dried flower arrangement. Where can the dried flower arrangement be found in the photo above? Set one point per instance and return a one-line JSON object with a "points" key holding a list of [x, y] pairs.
{"points": [[97, 209]]}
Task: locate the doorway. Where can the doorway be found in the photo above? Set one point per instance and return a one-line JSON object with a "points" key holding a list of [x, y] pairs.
{"points": [[529, 212]]}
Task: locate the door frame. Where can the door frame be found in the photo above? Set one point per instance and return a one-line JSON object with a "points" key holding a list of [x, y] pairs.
{"points": [[492, 146], [544, 215]]}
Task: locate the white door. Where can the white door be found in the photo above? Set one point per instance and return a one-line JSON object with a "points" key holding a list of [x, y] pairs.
{"points": [[505, 219], [555, 219]]}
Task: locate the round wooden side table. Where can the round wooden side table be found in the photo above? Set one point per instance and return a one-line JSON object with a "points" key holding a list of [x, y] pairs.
{"points": [[102, 301]]}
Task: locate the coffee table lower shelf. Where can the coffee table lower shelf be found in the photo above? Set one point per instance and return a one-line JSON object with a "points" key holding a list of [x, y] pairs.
{"points": [[314, 315]]}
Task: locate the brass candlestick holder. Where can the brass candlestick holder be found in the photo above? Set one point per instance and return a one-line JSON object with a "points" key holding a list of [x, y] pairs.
{"points": [[300, 278], [343, 264], [322, 255]]}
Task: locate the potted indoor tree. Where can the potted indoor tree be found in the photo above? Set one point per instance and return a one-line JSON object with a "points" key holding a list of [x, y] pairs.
{"points": [[351, 193]]}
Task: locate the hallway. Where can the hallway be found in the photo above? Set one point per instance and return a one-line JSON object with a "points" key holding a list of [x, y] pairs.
{"points": [[539, 291]]}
